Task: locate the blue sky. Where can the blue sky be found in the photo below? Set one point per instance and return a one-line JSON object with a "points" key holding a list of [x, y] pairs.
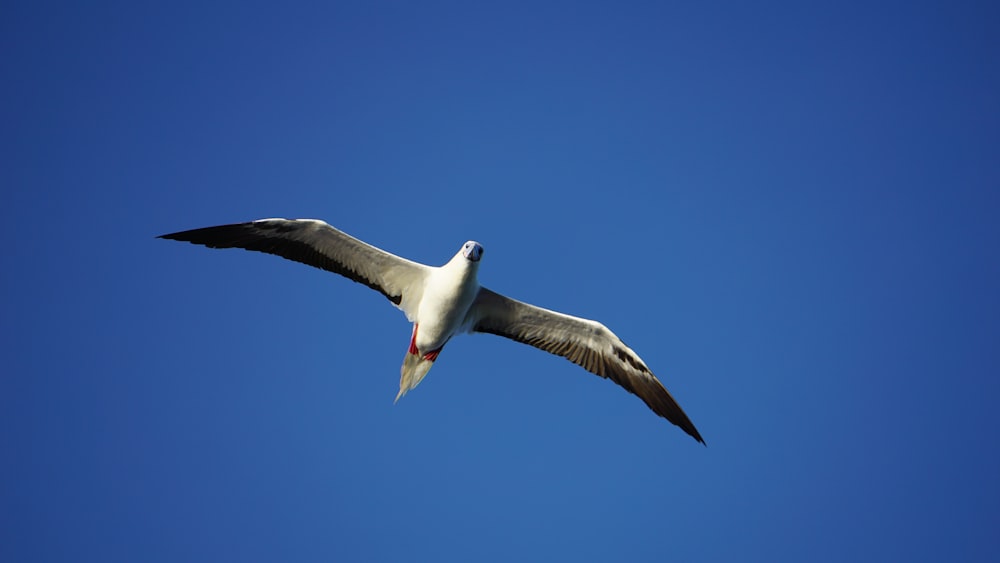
{"points": [[790, 212]]}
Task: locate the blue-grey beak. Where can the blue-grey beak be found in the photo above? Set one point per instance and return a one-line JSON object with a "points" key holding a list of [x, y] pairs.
{"points": [[473, 251]]}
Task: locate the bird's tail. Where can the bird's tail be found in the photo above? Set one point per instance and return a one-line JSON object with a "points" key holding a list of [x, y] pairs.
{"points": [[415, 367]]}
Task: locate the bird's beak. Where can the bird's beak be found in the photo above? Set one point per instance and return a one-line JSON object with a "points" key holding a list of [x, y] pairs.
{"points": [[474, 253]]}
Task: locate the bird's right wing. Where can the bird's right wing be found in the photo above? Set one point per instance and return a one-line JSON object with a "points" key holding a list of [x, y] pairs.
{"points": [[317, 244]]}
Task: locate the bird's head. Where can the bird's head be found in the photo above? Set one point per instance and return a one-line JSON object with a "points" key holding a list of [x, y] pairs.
{"points": [[472, 251]]}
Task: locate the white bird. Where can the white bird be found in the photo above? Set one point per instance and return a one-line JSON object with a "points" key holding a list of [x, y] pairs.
{"points": [[447, 300]]}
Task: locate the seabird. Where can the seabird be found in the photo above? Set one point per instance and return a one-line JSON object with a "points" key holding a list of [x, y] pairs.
{"points": [[447, 300]]}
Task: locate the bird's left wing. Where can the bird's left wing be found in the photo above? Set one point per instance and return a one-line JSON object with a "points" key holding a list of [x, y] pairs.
{"points": [[584, 342]]}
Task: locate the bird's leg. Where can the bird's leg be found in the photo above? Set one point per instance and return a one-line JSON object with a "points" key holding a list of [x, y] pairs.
{"points": [[413, 341], [429, 356]]}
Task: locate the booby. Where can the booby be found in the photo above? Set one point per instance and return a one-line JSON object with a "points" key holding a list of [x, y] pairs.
{"points": [[447, 300]]}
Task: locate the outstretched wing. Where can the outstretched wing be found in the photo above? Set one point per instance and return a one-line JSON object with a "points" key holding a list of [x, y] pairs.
{"points": [[317, 244], [586, 343]]}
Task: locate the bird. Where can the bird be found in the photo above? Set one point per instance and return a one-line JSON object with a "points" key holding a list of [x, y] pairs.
{"points": [[444, 301]]}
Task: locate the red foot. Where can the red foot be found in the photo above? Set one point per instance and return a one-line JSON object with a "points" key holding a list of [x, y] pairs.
{"points": [[429, 356], [413, 341]]}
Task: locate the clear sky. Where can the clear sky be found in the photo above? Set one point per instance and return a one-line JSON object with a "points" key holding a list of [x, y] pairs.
{"points": [[791, 211]]}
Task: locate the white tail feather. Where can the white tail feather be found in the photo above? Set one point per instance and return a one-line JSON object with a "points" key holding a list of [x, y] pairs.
{"points": [[415, 367]]}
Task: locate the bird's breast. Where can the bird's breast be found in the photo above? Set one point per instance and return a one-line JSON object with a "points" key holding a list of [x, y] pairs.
{"points": [[443, 308]]}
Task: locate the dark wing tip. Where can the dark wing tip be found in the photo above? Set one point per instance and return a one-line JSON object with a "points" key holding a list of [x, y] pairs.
{"points": [[676, 415], [693, 432], [643, 384], [222, 236], [684, 423], [698, 437], [173, 236]]}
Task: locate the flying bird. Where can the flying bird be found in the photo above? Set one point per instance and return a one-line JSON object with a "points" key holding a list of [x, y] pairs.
{"points": [[447, 300]]}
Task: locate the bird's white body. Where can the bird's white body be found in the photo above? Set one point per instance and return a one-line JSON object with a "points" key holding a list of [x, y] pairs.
{"points": [[444, 306]]}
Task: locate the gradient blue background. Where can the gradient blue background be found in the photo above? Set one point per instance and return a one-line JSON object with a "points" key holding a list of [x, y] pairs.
{"points": [[791, 211]]}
